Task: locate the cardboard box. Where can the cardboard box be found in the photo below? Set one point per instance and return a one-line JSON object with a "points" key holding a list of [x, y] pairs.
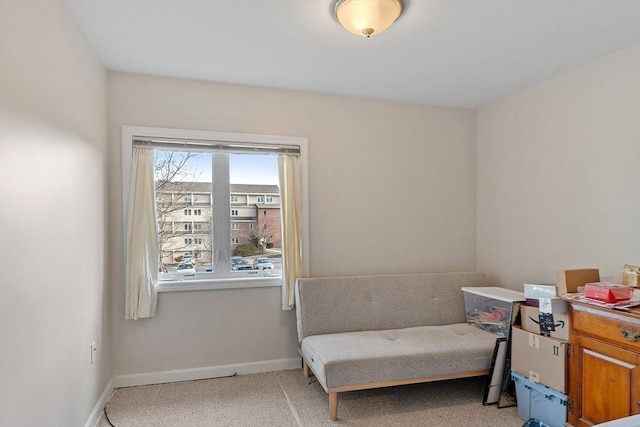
{"points": [[560, 305], [541, 359], [555, 325], [569, 280], [553, 305], [535, 291], [631, 275], [539, 402], [608, 292], [491, 308]]}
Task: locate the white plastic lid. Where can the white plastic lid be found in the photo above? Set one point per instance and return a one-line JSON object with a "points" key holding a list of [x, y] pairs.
{"points": [[496, 292]]}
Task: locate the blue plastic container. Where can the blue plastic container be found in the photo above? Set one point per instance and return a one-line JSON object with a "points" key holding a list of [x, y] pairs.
{"points": [[534, 423], [539, 402]]}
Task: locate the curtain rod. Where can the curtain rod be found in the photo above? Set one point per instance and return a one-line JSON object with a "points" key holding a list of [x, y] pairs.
{"points": [[214, 145]]}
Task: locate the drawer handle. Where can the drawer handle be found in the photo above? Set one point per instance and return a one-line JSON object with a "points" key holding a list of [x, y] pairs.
{"points": [[630, 334]]}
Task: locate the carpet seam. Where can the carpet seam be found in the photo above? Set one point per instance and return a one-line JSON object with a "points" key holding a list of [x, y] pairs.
{"points": [[292, 408]]}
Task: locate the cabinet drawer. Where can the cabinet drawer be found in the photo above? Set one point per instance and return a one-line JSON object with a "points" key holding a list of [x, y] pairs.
{"points": [[607, 325]]}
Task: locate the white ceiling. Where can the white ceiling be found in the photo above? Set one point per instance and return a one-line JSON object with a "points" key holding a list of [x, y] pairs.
{"points": [[460, 53]]}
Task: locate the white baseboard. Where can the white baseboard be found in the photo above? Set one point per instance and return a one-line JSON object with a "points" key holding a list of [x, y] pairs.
{"points": [[95, 415], [205, 372]]}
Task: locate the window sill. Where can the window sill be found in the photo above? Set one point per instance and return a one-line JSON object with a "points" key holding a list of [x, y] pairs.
{"points": [[209, 284]]}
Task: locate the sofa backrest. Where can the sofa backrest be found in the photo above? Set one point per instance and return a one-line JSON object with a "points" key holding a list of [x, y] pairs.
{"points": [[328, 305]]}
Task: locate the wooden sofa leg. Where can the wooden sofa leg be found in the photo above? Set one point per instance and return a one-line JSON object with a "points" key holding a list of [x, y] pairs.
{"points": [[305, 368], [333, 405]]}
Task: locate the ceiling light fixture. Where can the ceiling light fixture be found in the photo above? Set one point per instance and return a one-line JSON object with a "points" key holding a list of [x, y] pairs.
{"points": [[366, 17]]}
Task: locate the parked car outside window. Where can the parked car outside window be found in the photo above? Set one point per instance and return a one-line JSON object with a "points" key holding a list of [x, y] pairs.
{"points": [[185, 267], [239, 263], [262, 264]]}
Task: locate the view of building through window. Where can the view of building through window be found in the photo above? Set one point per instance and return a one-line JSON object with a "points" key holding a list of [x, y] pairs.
{"points": [[199, 239]]}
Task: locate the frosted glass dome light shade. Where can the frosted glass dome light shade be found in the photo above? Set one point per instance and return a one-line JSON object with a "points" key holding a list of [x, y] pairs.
{"points": [[367, 17]]}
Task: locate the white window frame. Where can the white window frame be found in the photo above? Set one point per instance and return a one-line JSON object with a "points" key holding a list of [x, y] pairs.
{"points": [[188, 283]]}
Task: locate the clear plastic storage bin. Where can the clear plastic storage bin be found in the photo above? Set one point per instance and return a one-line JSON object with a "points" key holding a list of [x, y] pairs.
{"points": [[491, 308]]}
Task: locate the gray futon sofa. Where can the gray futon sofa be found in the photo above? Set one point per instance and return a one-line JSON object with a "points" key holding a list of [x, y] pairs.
{"points": [[365, 332]]}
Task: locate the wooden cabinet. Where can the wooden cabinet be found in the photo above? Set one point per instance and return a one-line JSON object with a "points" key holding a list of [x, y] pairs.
{"points": [[604, 364]]}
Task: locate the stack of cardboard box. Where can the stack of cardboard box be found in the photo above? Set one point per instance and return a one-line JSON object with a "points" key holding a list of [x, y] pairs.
{"points": [[539, 347]]}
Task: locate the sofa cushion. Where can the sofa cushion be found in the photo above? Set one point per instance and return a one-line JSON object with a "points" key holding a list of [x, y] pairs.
{"points": [[328, 305], [351, 358]]}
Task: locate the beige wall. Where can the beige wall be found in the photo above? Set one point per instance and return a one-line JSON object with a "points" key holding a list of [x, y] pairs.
{"points": [[53, 299], [559, 175], [392, 189]]}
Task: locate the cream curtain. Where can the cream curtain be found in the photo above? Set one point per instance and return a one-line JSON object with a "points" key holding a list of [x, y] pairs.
{"points": [[291, 211], [142, 239]]}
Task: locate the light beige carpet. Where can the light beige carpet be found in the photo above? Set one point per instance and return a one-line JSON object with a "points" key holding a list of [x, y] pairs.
{"points": [[285, 398]]}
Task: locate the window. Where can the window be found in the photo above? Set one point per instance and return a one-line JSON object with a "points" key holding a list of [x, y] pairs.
{"points": [[214, 174], [182, 173], [260, 199], [269, 199]]}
